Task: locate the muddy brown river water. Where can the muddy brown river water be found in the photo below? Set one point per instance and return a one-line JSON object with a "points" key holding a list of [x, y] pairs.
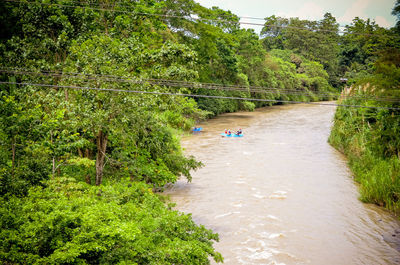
{"points": [[281, 194]]}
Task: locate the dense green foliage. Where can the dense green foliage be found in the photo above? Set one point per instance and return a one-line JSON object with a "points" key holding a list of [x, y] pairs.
{"points": [[79, 157], [57, 130], [72, 222], [371, 137], [396, 12]]}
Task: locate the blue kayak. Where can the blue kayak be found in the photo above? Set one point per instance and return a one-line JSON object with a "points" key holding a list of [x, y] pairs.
{"points": [[197, 129], [231, 135]]}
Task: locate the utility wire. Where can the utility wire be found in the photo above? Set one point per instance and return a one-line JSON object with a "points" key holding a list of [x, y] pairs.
{"points": [[122, 4], [174, 83], [167, 82], [185, 84], [193, 18], [198, 96]]}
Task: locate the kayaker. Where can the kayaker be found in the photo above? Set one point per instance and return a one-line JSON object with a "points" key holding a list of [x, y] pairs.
{"points": [[239, 132], [229, 132]]}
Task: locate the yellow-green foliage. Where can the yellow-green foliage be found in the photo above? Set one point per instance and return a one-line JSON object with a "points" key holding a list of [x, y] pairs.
{"points": [[72, 222], [370, 140]]}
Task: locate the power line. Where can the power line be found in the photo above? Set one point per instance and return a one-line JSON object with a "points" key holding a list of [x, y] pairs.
{"points": [[198, 96], [196, 85], [122, 4], [167, 82], [193, 18], [175, 83]]}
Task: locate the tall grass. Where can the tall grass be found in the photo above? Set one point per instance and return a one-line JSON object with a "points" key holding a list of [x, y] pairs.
{"points": [[378, 175]]}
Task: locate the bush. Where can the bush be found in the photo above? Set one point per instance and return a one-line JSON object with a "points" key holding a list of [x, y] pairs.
{"points": [[124, 223], [370, 140], [247, 105]]}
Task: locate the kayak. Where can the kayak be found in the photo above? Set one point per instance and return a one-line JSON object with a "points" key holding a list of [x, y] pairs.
{"points": [[231, 135], [197, 129]]}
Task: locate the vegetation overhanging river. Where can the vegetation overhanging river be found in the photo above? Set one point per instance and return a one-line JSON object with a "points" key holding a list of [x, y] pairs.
{"points": [[282, 194]]}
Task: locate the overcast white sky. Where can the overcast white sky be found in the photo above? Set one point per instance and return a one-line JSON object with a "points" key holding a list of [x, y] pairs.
{"points": [[343, 10]]}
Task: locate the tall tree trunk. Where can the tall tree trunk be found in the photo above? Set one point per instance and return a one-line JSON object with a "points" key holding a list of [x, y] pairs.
{"points": [[87, 179], [53, 171], [87, 153], [13, 156], [54, 167], [80, 154], [101, 140]]}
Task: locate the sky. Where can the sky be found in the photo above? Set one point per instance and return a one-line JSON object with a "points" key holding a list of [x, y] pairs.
{"points": [[343, 10]]}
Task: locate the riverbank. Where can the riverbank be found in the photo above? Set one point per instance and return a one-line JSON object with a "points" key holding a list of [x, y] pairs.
{"points": [[282, 194], [363, 141]]}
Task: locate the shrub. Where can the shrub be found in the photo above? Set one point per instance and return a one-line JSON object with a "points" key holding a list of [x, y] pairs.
{"points": [[123, 223]]}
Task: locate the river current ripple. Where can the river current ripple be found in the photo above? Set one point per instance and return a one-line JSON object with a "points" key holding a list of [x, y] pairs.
{"points": [[281, 194]]}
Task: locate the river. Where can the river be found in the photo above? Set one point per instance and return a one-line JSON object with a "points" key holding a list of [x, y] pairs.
{"points": [[281, 194]]}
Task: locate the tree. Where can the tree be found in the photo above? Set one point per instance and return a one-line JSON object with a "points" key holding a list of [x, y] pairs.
{"points": [[272, 33], [314, 40], [251, 56], [75, 223], [109, 116], [396, 12]]}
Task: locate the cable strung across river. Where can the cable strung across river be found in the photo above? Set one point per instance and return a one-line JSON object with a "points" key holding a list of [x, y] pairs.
{"points": [[198, 96]]}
